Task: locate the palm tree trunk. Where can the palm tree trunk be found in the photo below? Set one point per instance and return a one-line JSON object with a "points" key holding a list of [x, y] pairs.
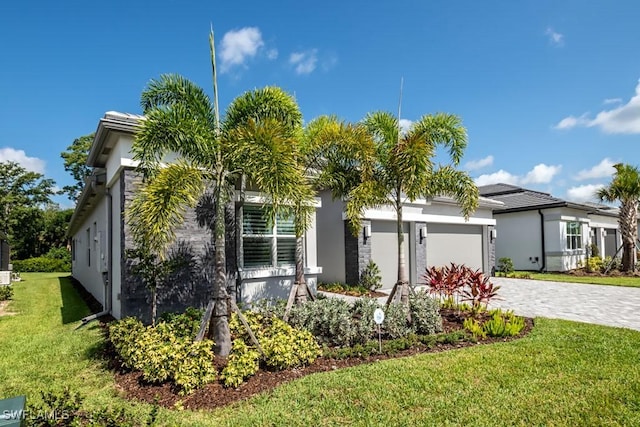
{"points": [[301, 289], [629, 231], [403, 281], [219, 325]]}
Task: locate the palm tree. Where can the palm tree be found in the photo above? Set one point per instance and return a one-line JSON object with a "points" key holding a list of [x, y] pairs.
{"points": [[378, 165], [256, 140], [625, 188]]}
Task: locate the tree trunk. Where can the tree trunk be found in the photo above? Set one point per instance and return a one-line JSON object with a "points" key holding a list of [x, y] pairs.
{"points": [[403, 281], [301, 289], [629, 229], [219, 325], [154, 306]]}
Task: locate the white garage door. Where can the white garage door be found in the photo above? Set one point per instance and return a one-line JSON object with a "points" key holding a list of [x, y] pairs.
{"points": [[384, 250], [460, 244]]}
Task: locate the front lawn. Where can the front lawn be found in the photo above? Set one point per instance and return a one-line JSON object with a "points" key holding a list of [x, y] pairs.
{"points": [[563, 373], [630, 281]]}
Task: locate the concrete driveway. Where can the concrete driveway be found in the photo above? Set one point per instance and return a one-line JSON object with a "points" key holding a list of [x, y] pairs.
{"points": [[603, 305]]}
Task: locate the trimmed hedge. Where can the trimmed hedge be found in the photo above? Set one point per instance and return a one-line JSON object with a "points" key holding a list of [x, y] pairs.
{"points": [[41, 265]]}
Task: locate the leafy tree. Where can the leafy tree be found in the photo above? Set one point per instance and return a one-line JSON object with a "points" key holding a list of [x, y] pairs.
{"points": [[375, 164], [20, 190], [256, 139], [27, 243], [625, 188], [75, 162]]}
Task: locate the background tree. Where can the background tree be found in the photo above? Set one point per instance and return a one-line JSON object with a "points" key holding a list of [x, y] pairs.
{"points": [[625, 188], [376, 165], [75, 162], [20, 191], [256, 139]]}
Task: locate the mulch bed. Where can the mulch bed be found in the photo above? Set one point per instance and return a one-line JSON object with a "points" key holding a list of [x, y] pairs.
{"points": [[215, 395], [613, 273], [370, 294]]}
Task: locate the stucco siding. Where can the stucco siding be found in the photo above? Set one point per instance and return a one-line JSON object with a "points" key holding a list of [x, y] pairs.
{"points": [[330, 237], [519, 237]]}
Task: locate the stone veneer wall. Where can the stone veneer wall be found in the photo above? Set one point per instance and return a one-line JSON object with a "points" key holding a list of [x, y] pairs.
{"points": [[357, 252], [420, 251], [187, 287], [492, 252]]}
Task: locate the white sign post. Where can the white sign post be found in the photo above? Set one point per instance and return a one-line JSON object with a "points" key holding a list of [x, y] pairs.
{"points": [[378, 317]]}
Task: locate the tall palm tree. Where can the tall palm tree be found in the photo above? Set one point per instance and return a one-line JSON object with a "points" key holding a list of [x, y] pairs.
{"points": [[256, 139], [625, 188], [379, 165]]}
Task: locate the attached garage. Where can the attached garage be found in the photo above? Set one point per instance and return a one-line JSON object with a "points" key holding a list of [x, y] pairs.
{"points": [[460, 244], [384, 250]]}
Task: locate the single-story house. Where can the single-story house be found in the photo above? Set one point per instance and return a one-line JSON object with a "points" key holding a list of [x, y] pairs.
{"points": [[541, 232], [435, 234], [260, 257]]}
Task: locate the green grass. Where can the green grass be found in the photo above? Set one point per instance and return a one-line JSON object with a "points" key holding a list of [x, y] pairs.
{"points": [[563, 373], [632, 282]]}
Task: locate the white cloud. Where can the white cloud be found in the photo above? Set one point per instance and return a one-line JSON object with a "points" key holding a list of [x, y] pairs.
{"points": [[479, 164], [304, 62], [555, 38], [540, 174], [604, 169], [237, 46], [583, 193], [612, 101], [500, 177], [272, 54], [405, 125], [623, 119], [34, 164]]}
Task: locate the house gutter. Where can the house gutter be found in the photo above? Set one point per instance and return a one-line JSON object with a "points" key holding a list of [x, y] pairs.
{"points": [[544, 258], [108, 290]]}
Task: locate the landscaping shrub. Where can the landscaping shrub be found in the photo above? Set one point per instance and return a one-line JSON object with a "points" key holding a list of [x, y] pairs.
{"points": [[41, 265], [243, 362], [501, 324], [425, 313], [479, 290], [286, 347], [162, 354], [6, 292], [370, 276], [474, 327], [184, 324], [395, 323], [594, 264], [329, 320], [505, 266], [362, 320]]}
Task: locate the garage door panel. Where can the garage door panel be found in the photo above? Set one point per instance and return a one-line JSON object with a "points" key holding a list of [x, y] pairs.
{"points": [[460, 244], [384, 249]]}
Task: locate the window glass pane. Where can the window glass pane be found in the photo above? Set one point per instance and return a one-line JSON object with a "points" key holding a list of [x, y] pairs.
{"points": [[253, 221], [284, 225], [286, 251], [256, 251]]}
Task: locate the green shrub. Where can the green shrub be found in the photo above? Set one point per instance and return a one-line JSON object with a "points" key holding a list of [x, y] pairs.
{"points": [[243, 362], [474, 327], [329, 320], [370, 276], [59, 253], [594, 263], [504, 324], [505, 266], [395, 322], [425, 313], [162, 354], [286, 347], [362, 320], [6, 292], [184, 324], [41, 265]]}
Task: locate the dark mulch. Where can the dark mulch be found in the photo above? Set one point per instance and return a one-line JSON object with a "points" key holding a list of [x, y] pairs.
{"points": [[370, 294], [216, 395], [613, 273]]}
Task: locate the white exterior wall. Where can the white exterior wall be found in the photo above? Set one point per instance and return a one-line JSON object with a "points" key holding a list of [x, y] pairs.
{"points": [[519, 238], [91, 256], [559, 258]]}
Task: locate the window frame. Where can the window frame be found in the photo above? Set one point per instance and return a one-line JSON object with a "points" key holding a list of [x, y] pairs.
{"points": [[273, 233], [573, 234]]}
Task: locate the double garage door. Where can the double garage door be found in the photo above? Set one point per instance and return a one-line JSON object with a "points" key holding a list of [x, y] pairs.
{"points": [[446, 243]]}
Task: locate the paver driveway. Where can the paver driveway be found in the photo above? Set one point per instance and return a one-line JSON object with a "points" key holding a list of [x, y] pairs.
{"points": [[604, 305]]}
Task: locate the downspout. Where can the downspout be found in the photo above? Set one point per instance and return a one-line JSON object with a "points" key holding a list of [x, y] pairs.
{"points": [[544, 258], [108, 290]]}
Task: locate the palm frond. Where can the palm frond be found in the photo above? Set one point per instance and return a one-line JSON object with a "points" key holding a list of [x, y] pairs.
{"points": [[443, 129], [447, 181], [171, 90], [161, 204]]}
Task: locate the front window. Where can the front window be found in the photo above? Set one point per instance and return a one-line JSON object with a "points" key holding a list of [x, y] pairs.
{"points": [[264, 244], [574, 235]]}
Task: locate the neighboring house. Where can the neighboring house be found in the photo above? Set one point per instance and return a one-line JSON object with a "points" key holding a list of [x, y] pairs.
{"points": [[435, 234], [4, 252], [541, 232], [260, 258]]}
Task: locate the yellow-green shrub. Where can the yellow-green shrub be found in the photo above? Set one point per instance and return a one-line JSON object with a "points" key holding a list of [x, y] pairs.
{"points": [[286, 347], [242, 363]]}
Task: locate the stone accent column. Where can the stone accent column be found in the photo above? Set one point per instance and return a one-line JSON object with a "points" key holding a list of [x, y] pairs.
{"points": [[420, 250], [357, 252], [492, 251]]}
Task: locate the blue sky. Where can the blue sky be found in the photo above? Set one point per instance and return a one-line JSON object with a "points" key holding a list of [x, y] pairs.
{"points": [[548, 90]]}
